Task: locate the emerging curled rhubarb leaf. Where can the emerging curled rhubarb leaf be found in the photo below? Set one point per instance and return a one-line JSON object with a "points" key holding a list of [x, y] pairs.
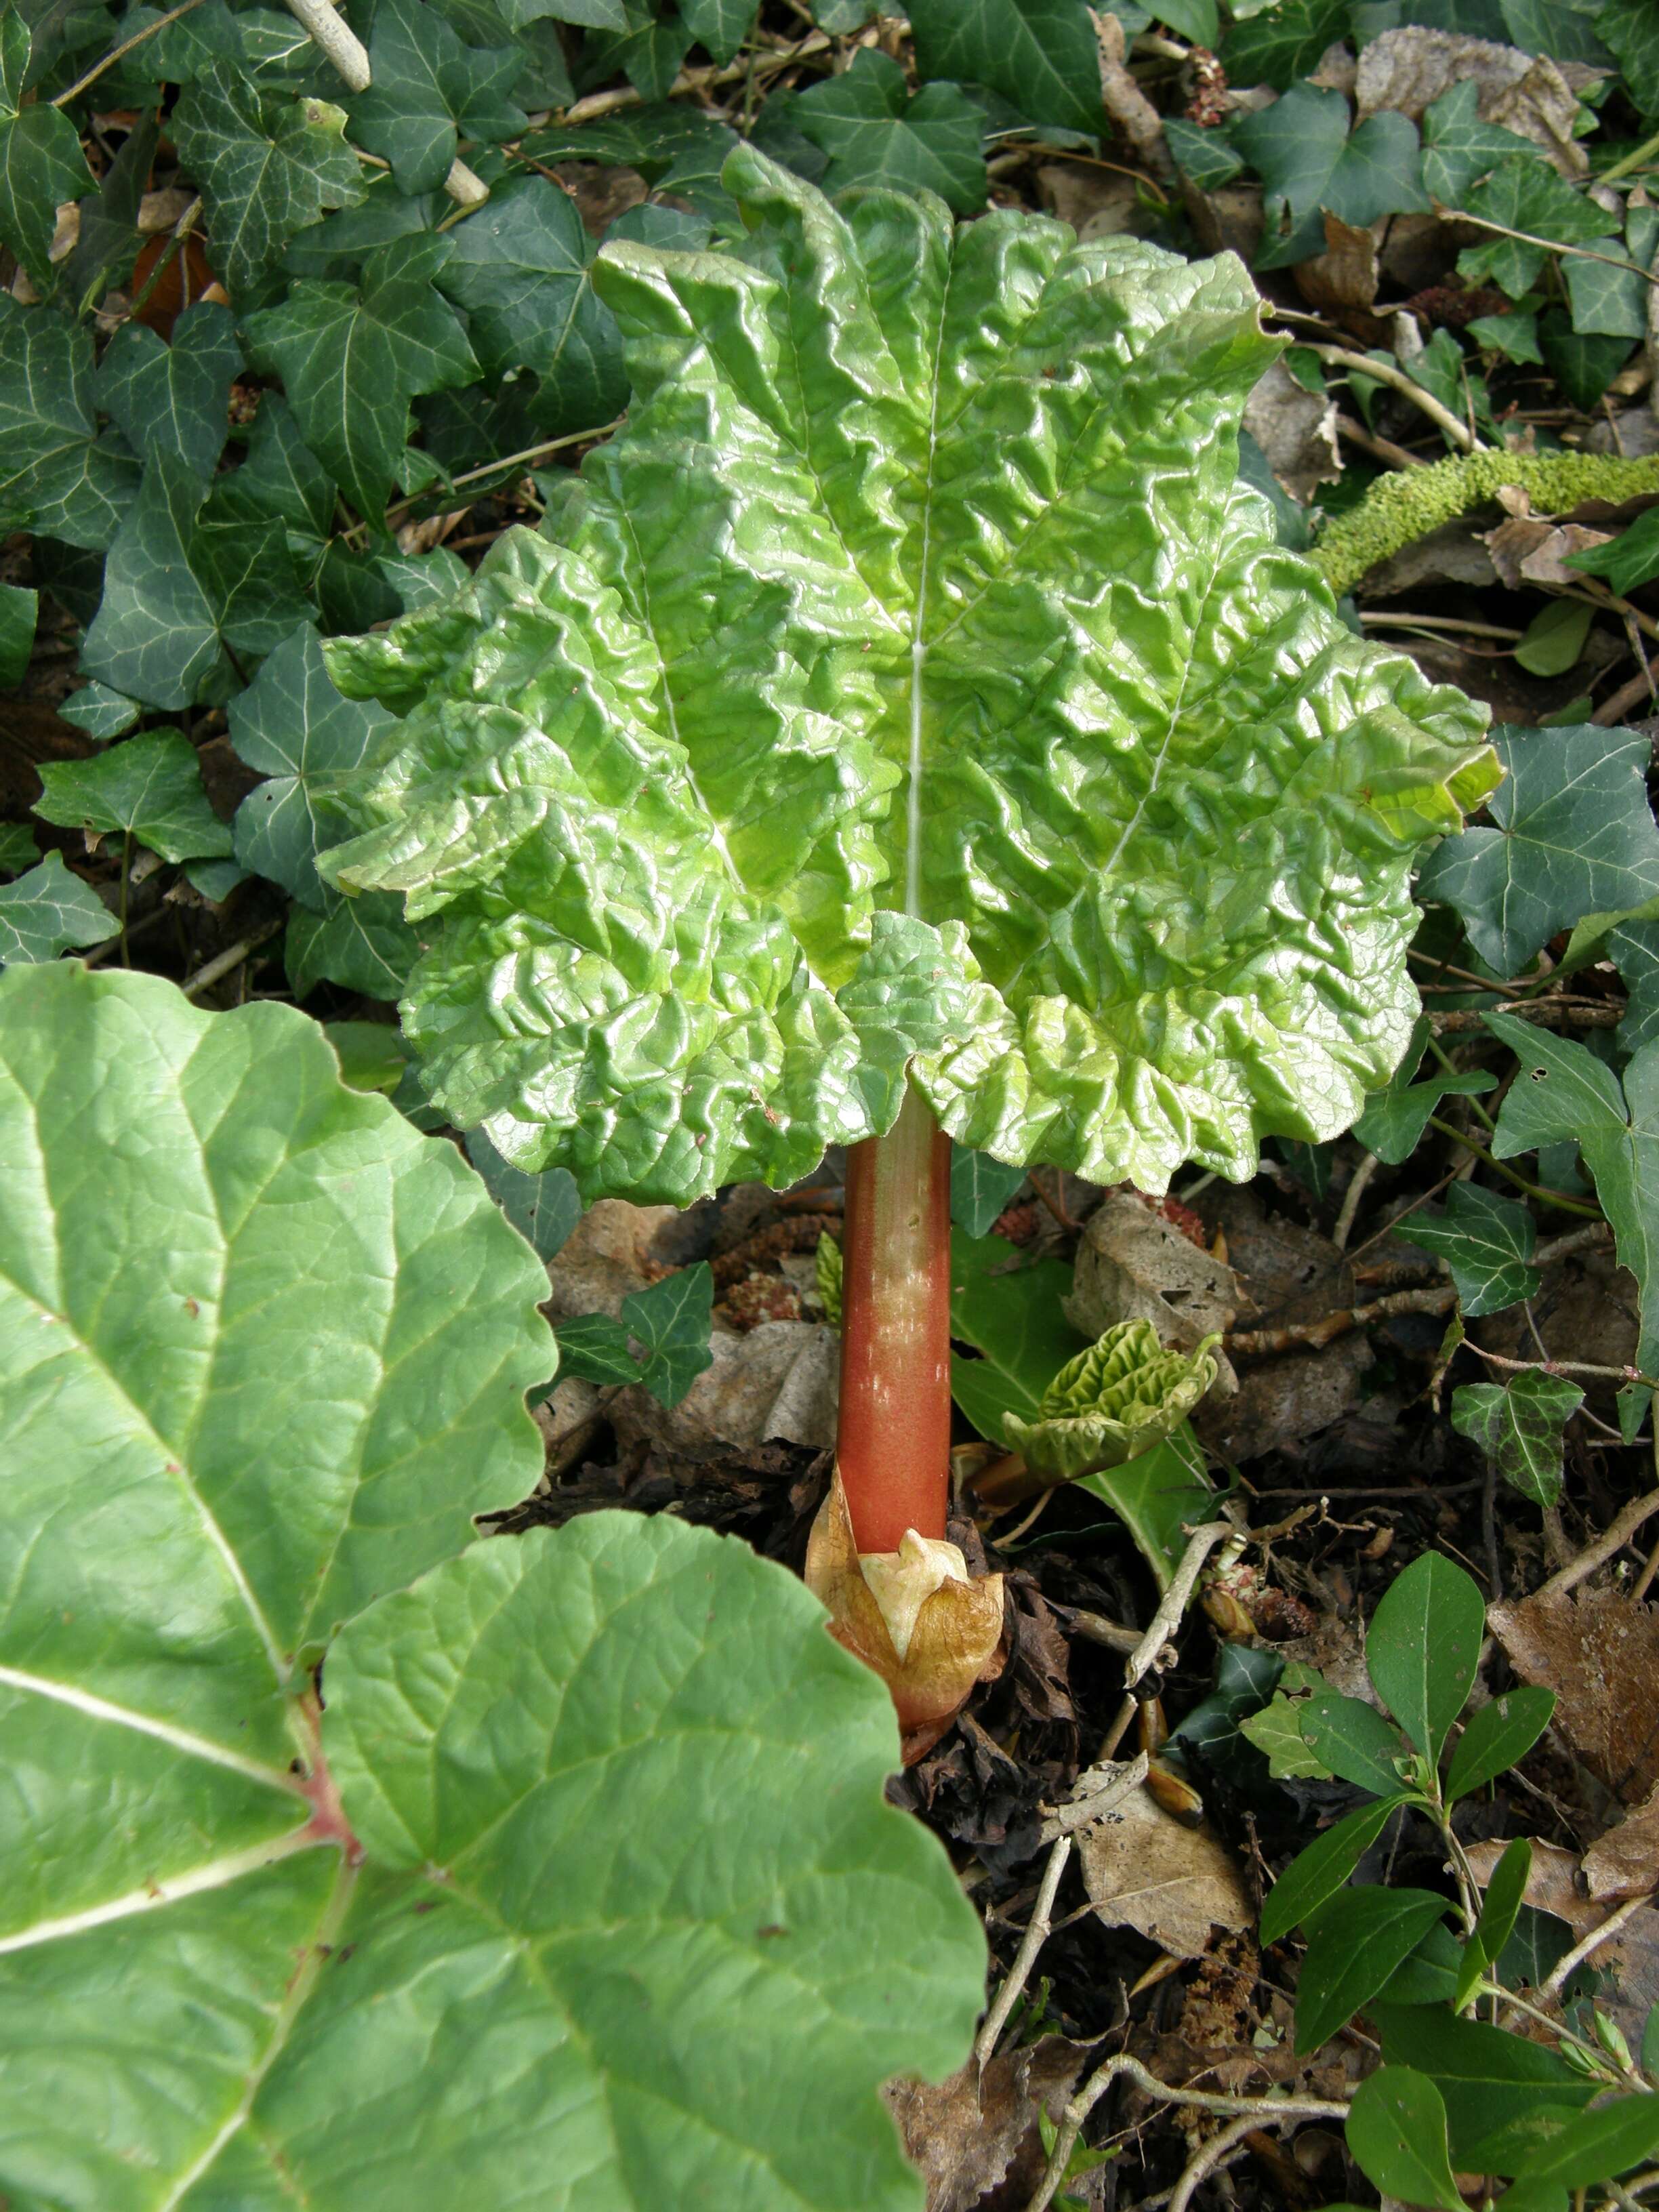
{"points": [[581, 1894], [1111, 1403], [914, 1616], [911, 683]]}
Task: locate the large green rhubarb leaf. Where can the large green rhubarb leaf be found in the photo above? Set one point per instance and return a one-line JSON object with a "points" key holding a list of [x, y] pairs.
{"points": [[580, 1895], [911, 684]]}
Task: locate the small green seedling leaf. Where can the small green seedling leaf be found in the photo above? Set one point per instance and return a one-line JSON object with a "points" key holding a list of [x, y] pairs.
{"points": [[1519, 1426], [1355, 1942], [1396, 2129], [1276, 1730], [1504, 1892], [1628, 561], [1355, 1741], [981, 1189], [1554, 638], [47, 911], [1497, 1736], [148, 788], [1424, 1647], [828, 1271], [1318, 1873], [1486, 1242]]}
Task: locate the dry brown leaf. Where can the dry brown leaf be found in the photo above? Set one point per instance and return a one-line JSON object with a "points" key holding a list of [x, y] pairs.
{"points": [[1600, 1653], [1625, 1861], [979, 2130], [1454, 554], [1295, 430], [604, 1259], [1408, 71], [1133, 1265], [1172, 1883], [1097, 203], [779, 1380], [1553, 1886], [1348, 273]]}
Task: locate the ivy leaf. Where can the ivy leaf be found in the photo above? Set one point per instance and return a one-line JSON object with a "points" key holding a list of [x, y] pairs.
{"points": [[294, 728], [148, 788], [1459, 148], [1282, 44], [280, 480], [520, 268], [671, 1319], [1391, 1127], [1630, 30], [18, 849], [1574, 836], [793, 853], [351, 357], [179, 590], [265, 168], [48, 910], [542, 1208], [1041, 55], [18, 609], [429, 92], [981, 1188], [721, 25], [648, 51], [1630, 560], [57, 477], [1582, 363], [1563, 1091], [1609, 300], [1514, 335], [102, 713], [109, 240], [1523, 194], [1206, 158], [1307, 159], [363, 944], [42, 163], [875, 133], [1486, 1242], [170, 398], [1518, 1424]]}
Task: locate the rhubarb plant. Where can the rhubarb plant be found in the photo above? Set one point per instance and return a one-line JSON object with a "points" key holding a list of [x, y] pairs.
{"points": [[907, 729], [348, 1861]]}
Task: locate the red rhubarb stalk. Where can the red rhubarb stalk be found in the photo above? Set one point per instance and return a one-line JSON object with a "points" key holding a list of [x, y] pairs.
{"points": [[894, 1435]]}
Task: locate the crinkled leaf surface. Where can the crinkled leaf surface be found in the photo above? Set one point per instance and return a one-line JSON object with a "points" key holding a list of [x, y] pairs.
{"points": [[909, 683], [627, 1922], [1112, 1402]]}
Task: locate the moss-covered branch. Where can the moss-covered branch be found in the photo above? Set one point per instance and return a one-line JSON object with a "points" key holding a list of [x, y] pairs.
{"points": [[1399, 509]]}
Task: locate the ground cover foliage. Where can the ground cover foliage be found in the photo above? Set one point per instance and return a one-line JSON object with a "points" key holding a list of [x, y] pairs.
{"points": [[1348, 1896]]}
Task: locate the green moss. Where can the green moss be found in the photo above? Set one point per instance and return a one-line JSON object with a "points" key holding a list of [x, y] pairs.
{"points": [[1399, 509]]}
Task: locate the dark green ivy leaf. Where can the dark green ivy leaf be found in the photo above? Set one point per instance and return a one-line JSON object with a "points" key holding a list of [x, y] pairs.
{"points": [[147, 788], [1583, 363], [980, 1189], [102, 713], [648, 51], [178, 589], [543, 1209], [1523, 194], [1207, 158], [671, 1319], [1307, 159], [1630, 28], [265, 168], [1608, 296], [294, 728], [109, 240], [352, 356], [170, 398], [57, 475], [1574, 835], [20, 608], [362, 943], [1042, 55], [1519, 1424], [46, 911], [1284, 43], [1394, 1120], [42, 163], [429, 91], [1486, 1242], [520, 268], [721, 25], [875, 133], [1459, 148]]}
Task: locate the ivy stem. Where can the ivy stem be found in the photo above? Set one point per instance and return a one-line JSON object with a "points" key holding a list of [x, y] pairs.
{"points": [[1501, 1166], [894, 1449]]}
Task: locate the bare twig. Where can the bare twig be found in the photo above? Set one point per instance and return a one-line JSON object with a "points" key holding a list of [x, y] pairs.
{"points": [[329, 30], [1643, 685], [508, 461], [1598, 1553], [1259, 2111], [62, 99], [1565, 1367], [217, 968], [1205, 2159], [1384, 372], [1380, 449], [1037, 1929], [1546, 1013], [1384, 621], [698, 81], [1564, 1970], [1200, 1543], [1297, 1336], [1358, 1183]]}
